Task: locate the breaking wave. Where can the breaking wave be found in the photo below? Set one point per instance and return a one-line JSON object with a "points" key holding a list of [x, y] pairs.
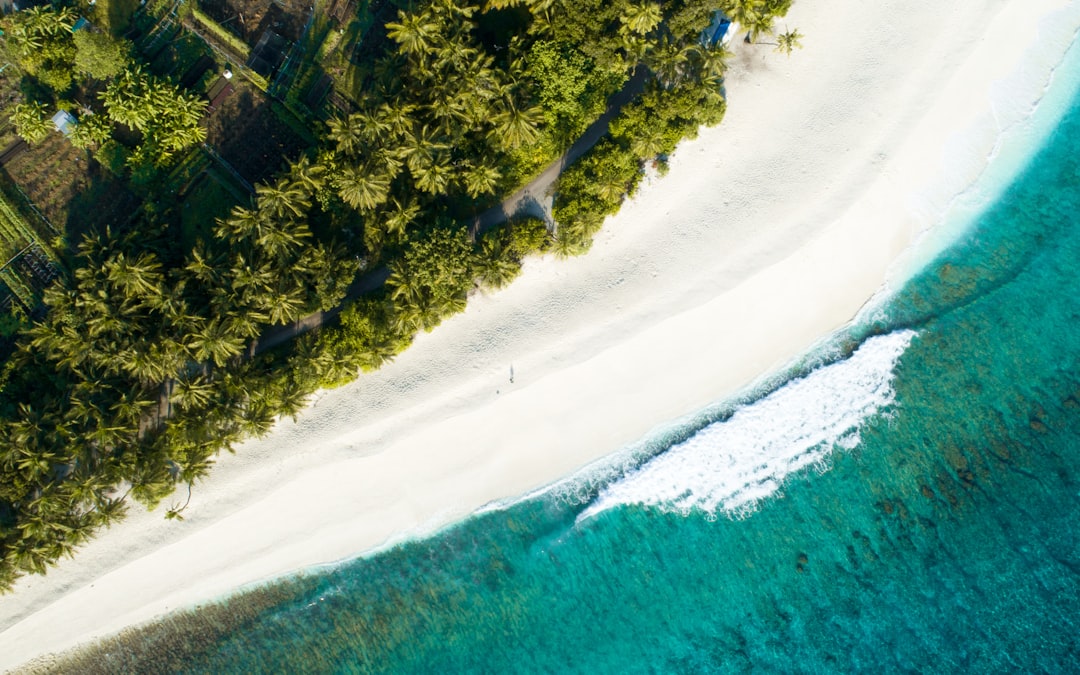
{"points": [[729, 466]]}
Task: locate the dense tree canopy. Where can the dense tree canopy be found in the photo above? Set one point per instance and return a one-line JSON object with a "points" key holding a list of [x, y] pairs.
{"points": [[99, 55]]}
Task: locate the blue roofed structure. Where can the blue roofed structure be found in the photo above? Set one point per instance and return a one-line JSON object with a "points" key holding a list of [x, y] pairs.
{"points": [[64, 122], [719, 31]]}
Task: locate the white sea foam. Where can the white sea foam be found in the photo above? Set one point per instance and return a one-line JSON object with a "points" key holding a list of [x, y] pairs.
{"points": [[731, 465]]}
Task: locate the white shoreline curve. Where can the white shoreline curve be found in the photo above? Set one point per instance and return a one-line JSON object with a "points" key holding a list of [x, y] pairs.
{"points": [[768, 233]]}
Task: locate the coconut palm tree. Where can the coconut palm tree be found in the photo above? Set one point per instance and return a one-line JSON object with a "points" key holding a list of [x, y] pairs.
{"points": [[192, 392], [308, 176], [243, 225], [204, 267], [449, 112], [712, 61], [348, 133], [251, 277], [136, 276], [284, 304], [129, 408], [434, 178], [361, 188], [399, 216], [516, 126], [641, 19], [214, 341], [30, 122], [420, 148], [756, 25], [648, 145], [415, 33], [481, 180], [669, 61], [283, 198], [279, 241], [397, 118], [495, 267], [789, 41]]}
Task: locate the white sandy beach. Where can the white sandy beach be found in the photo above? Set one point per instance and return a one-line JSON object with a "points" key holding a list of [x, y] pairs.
{"points": [[769, 232]]}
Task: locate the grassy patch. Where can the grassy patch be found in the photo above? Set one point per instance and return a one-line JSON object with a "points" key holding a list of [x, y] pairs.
{"points": [[215, 29], [208, 200]]}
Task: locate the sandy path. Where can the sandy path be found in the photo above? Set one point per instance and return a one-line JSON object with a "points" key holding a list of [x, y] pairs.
{"points": [[768, 233]]}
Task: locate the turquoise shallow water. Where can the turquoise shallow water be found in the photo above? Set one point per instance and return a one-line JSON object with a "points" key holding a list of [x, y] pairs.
{"points": [[943, 538]]}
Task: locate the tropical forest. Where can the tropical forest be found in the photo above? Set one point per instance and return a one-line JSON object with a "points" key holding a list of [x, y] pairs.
{"points": [[211, 209]]}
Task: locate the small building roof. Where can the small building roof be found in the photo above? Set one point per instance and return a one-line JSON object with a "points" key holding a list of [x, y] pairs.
{"points": [[64, 122], [720, 31]]}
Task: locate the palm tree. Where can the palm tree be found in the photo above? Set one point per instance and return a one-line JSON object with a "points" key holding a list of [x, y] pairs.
{"points": [[481, 180], [290, 398], [434, 178], [279, 241], [414, 33], [136, 276], [192, 392], [248, 324], [307, 175], [420, 148], [789, 41], [284, 305], [611, 189], [669, 61], [202, 266], [516, 126], [129, 409], [361, 188], [641, 19], [756, 25], [495, 266], [283, 198], [30, 122], [449, 112], [397, 118], [215, 342], [648, 145], [348, 133], [147, 365], [399, 216], [243, 225], [712, 61], [248, 277]]}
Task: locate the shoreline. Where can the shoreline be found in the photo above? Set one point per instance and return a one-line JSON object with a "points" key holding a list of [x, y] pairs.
{"points": [[751, 249]]}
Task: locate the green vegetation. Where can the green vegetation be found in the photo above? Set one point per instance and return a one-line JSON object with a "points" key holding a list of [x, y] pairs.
{"points": [[40, 38], [788, 42], [232, 42], [31, 122], [99, 55], [114, 16], [168, 340]]}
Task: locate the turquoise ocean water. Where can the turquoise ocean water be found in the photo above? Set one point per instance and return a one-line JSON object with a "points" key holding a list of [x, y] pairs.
{"points": [[912, 506]]}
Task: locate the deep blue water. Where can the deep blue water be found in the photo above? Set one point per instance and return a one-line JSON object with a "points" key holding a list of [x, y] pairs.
{"points": [[942, 537]]}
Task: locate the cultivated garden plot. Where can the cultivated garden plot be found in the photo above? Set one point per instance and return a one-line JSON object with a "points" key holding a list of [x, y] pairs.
{"points": [[251, 136], [71, 189], [249, 19]]}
